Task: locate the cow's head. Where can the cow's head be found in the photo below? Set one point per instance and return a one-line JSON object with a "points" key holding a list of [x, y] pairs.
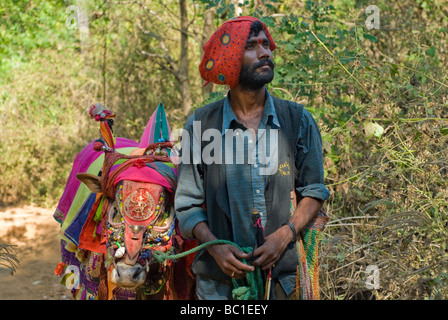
{"points": [[137, 212], [140, 218]]}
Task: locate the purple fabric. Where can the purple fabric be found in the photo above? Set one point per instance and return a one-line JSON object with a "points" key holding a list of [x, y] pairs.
{"points": [[90, 283], [82, 162], [123, 294]]}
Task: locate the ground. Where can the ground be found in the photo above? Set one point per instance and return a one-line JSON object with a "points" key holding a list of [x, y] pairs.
{"points": [[34, 232]]}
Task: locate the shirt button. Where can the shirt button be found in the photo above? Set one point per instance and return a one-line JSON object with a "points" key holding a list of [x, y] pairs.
{"points": [[257, 191], [255, 165]]}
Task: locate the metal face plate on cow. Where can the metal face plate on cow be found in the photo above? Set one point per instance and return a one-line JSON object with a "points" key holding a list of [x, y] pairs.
{"points": [[139, 205], [139, 202]]}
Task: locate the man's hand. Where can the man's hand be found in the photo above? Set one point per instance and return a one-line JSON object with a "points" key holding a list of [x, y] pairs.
{"points": [[276, 243], [225, 255], [273, 247]]}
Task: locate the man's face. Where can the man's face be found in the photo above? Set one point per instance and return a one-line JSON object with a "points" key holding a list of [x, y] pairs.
{"points": [[258, 67]]}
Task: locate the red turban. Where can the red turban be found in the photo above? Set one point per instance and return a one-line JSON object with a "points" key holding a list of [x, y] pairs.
{"points": [[224, 52]]}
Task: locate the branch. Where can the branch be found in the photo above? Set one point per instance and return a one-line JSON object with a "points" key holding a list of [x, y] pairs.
{"points": [[160, 19], [167, 57], [171, 69]]}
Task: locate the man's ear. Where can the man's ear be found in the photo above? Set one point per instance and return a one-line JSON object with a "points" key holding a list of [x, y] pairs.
{"points": [[92, 181]]}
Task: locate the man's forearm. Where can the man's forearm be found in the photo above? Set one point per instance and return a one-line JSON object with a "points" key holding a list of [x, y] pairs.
{"points": [[276, 243], [202, 232], [305, 212]]}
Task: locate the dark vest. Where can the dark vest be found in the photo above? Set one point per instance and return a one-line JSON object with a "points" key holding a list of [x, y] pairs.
{"points": [[277, 191]]}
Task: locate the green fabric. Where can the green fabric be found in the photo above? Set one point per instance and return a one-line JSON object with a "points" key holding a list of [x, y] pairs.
{"points": [[161, 126], [97, 217]]}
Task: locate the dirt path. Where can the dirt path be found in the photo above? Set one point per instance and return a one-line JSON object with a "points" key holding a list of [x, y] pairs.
{"points": [[34, 231]]}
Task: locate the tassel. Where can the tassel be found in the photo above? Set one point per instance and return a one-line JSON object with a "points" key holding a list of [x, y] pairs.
{"points": [[102, 287]]}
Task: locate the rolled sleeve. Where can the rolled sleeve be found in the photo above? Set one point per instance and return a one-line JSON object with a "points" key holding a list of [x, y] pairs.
{"points": [[189, 196], [309, 160], [317, 190]]}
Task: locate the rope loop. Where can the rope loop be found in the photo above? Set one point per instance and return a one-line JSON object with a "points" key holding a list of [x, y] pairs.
{"points": [[254, 288]]}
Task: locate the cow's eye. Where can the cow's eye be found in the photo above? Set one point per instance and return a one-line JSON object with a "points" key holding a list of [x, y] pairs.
{"points": [[114, 215]]}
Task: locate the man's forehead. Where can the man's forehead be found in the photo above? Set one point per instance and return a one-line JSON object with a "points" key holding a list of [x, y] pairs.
{"points": [[260, 37]]}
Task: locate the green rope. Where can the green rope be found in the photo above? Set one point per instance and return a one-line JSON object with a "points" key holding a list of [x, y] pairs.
{"points": [[252, 291]]}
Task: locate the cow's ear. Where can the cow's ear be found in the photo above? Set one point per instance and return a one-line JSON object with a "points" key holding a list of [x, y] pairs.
{"points": [[92, 181]]}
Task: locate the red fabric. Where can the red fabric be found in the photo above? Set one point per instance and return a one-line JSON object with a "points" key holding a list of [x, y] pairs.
{"points": [[188, 245], [224, 52], [86, 239]]}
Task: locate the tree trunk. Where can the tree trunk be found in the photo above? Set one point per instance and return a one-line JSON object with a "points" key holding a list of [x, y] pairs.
{"points": [[184, 84]]}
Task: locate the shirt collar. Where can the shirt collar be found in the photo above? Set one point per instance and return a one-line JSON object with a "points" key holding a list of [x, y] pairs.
{"points": [[268, 113]]}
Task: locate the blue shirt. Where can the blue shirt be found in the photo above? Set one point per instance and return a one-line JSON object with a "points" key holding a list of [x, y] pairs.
{"points": [[243, 197]]}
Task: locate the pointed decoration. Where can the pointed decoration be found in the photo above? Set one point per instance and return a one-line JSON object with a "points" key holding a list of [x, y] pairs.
{"points": [[157, 129], [105, 118], [107, 135]]}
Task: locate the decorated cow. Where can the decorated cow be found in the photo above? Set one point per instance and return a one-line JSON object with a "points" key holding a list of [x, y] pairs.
{"points": [[121, 215]]}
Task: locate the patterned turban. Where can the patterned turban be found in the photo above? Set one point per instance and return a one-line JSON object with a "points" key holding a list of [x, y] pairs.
{"points": [[224, 52]]}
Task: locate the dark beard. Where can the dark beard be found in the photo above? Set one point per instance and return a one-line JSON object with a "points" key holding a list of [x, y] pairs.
{"points": [[251, 79]]}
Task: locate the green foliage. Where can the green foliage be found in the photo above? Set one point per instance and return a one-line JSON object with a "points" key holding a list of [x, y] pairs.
{"points": [[8, 257], [27, 28], [39, 95], [375, 148]]}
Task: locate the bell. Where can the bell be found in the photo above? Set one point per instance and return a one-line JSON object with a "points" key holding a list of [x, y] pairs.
{"points": [[136, 229]]}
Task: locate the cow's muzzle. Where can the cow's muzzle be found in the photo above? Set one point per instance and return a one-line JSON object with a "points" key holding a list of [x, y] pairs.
{"points": [[128, 276]]}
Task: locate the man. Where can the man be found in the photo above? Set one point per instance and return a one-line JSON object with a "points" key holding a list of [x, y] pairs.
{"points": [[218, 200]]}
